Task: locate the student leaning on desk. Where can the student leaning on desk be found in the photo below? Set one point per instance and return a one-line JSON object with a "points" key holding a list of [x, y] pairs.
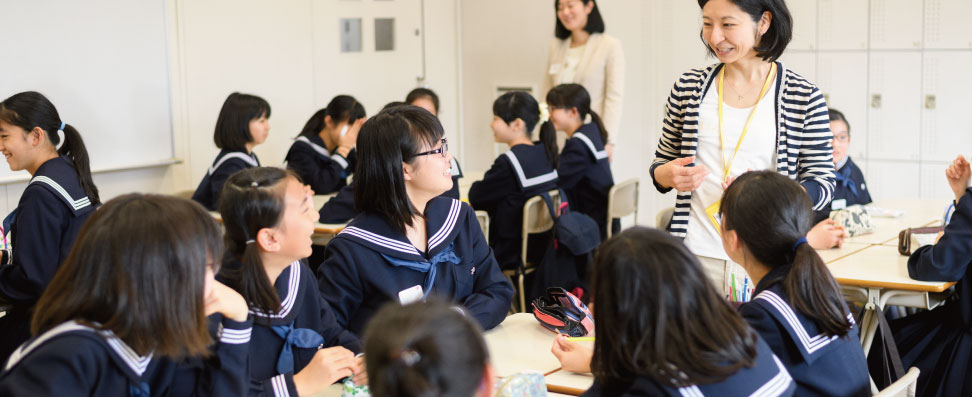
{"points": [[938, 342]]}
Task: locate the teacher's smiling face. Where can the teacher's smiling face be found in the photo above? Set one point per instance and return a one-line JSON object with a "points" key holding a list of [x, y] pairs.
{"points": [[573, 13], [731, 32]]}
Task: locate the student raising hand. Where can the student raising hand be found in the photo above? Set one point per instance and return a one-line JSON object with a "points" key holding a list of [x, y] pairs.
{"points": [[347, 142], [573, 357], [958, 174]]}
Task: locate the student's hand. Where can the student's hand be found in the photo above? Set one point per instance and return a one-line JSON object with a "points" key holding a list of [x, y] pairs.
{"points": [[939, 236], [609, 148], [573, 357], [360, 375], [227, 301], [346, 142], [958, 174], [676, 174], [328, 366], [826, 234]]}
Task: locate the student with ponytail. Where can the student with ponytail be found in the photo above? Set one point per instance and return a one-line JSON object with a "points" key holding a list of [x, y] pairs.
{"points": [[524, 171], [583, 166], [269, 219], [427, 349], [58, 199], [243, 123], [797, 306], [323, 153]]}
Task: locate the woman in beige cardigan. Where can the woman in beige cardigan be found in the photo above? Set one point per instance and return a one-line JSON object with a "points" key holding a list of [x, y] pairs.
{"points": [[581, 53]]}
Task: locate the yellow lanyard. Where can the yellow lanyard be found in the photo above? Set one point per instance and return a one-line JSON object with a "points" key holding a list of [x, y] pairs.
{"points": [[726, 166]]}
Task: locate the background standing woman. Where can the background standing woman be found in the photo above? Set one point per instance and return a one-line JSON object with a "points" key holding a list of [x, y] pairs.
{"points": [[581, 53]]}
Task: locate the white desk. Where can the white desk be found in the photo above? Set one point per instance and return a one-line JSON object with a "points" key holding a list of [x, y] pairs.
{"points": [[916, 213], [521, 344]]}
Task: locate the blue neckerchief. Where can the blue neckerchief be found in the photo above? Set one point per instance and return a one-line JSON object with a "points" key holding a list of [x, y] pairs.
{"points": [[8, 221], [844, 179], [447, 255], [300, 337], [140, 390]]}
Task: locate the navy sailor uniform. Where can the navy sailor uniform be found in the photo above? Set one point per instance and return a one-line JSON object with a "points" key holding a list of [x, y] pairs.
{"points": [[47, 220], [820, 364], [317, 167], [227, 163], [768, 377], [284, 342], [850, 184], [340, 208], [370, 264], [515, 177], [939, 341], [75, 359], [585, 175]]}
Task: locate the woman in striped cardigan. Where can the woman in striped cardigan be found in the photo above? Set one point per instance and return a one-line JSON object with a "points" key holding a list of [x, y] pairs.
{"points": [[747, 112]]}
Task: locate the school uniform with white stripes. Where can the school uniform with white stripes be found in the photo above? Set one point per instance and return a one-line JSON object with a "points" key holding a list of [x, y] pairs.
{"points": [[585, 175], [370, 264], [323, 171], [74, 359], [285, 341], [820, 364], [226, 164], [43, 228], [514, 177], [767, 378]]}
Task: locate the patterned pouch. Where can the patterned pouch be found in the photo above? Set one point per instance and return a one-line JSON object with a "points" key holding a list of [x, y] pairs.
{"points": [[855, 220], [352, 390], [526, 384]]}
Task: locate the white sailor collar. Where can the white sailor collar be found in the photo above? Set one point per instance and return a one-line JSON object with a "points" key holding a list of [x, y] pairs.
{"points": [[130, 363], [526, 175], [288, 289], [442, 216], [226, 155], [315, 142], [805, 334], [58, 176], [588, 134]]}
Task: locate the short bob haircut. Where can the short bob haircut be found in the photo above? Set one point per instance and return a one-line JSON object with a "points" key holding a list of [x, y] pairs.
{"points": [[233, 124], [138, 269], [420, 93], [595, 24], [424, 349], [837, 115], [658, 315], [390, 138], [776, 38]]}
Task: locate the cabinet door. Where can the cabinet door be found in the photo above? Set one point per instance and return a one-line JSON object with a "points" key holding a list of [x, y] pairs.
{"points": [[945, 125], [893, 179], [896, 24], [933, 183], [946, 24], [803, 63], [804, 14], [895, 105], [840, 77], [841, 24]]}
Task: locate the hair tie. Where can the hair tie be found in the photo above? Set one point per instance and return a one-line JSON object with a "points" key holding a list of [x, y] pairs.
{"points": [[62, 126], [250, 241], [798, 243], [544, 112], [410, 357]]}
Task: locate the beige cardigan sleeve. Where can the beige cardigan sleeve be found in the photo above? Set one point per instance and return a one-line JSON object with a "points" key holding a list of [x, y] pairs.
{"points": [[554, 51], [613, 89]]}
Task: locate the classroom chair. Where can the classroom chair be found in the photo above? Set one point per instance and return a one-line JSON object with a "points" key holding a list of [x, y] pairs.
{"points": [[664, 216], [622, 201], [902, 387], [536, 219], [483, 219]]}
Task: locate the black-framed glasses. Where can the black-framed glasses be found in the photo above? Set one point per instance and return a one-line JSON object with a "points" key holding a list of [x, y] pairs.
{"points": [[442, 150]]}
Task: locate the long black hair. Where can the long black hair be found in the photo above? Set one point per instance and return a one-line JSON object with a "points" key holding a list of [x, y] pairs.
{"points": [[424, 349], [658, 315], [341, 108], [32, 109], [571, 96], [420, 93], [770, 213], [387, 140], [521, 105], [595, 24], [233, 124], [252, 199]]}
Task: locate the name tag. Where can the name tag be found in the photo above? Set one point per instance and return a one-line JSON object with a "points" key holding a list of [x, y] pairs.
{"points": [[409, 295], [838, 204], [554, 68]]}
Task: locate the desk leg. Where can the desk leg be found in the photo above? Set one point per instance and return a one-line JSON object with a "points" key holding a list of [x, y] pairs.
{"points": [[870, 322]]}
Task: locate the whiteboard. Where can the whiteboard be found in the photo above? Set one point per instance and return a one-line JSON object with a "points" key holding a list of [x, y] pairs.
{"points": [[103, 63]]}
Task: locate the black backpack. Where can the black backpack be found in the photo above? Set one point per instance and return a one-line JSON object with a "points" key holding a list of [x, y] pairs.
{"points": [[569, 253]]}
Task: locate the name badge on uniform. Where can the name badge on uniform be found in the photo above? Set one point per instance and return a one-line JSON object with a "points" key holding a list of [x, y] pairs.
{"points": [[554, 68], [838, 204], [409, 295], [712, 212]]}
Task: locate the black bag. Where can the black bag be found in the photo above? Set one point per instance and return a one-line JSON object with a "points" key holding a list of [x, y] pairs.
{"points": [[890, 365], [569, 253]]}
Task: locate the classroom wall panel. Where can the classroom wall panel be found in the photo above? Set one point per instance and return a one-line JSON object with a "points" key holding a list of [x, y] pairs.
{"points": [[946, 129], [893, 179], [843, 24], [835, 74], [803, 63], [933, 182], [894, 127], [946, 24], [804, 24], [895, 24]]}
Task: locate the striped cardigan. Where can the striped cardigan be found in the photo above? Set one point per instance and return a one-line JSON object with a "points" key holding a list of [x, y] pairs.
{"points": [[804, 150]]}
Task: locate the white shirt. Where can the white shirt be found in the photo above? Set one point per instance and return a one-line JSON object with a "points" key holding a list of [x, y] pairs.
{"points": [[757, 152], [570, 64]]}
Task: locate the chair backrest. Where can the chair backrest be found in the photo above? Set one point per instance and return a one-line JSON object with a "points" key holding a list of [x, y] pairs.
{"points": [[904, 386], [536, 218], [483, 219], [622, 201], [664, 216]]}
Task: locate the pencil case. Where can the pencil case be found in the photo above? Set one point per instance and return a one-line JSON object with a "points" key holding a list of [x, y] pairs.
{"points": [[855, 220], [914, 237]]}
